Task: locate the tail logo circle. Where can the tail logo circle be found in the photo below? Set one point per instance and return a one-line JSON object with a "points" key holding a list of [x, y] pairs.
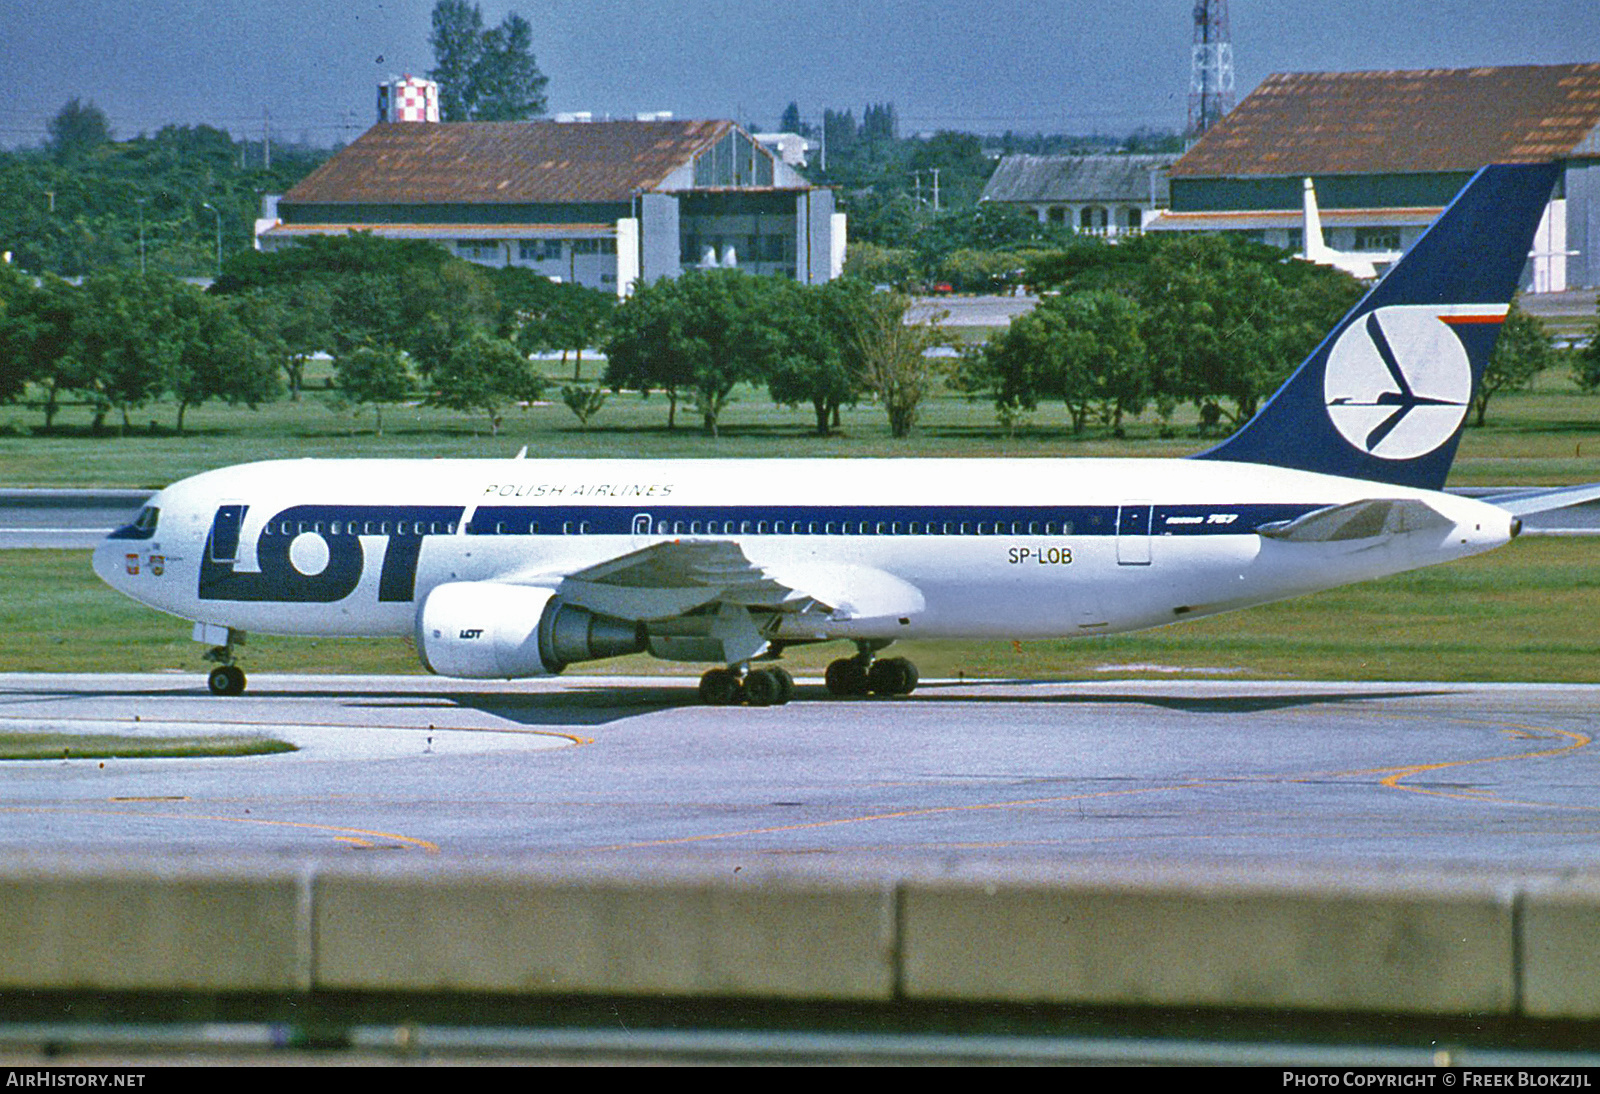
{"points": [[1398, 382]]}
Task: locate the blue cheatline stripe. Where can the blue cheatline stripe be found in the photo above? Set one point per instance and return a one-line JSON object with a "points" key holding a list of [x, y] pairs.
{"points": [[876, 520]]}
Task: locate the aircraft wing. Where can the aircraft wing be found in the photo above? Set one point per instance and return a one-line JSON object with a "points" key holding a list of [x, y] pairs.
{"points": [[672, 578], [1357, 520], [1520, 503]]}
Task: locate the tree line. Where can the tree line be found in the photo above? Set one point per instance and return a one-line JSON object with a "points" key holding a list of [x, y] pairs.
{"points": [[402, 320], [1210, 321], [1145, 323]]}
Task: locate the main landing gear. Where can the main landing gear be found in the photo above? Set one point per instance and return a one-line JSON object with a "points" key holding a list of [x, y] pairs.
{"points": [[771, 687], [227, 678], [862, 674]]}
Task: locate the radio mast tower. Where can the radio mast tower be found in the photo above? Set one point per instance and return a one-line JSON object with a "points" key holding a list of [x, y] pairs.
{"points": [[1211, 75]]}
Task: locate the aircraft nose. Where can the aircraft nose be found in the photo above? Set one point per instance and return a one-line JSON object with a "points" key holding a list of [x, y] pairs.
{"points": [[108, 561]]}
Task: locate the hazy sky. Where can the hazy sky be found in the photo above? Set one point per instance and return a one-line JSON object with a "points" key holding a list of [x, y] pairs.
{"points": [[1046, 65]]}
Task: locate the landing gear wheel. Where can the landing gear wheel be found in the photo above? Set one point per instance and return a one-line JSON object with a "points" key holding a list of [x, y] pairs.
{"points": [[786, 684], [762, 689], [226, 680], [847, 676], [892, 676], [768, 687], [720, 688]]}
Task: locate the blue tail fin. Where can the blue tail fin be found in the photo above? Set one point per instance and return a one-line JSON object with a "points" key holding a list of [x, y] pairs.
{"points": [[1385, 395]]}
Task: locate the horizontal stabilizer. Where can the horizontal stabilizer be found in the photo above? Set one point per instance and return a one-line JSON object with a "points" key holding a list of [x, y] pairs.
{"points": [[1523, 502], [1357, 520]]}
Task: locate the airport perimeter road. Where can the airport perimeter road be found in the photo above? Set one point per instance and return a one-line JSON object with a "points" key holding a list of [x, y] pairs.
{"points": [[1432, 777], [64, 518]]}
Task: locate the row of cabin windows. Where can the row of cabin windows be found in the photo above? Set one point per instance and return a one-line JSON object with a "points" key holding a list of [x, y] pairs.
{"points": [[361, 527], [690, 527], [821, 528]]}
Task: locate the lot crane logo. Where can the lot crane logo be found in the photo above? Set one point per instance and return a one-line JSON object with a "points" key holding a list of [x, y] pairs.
{"points": [[1398, 381]]}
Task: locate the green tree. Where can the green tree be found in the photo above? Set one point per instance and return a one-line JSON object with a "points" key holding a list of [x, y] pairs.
{"points": [[1218, 322], [126, 338], [36, 338], [1586, 364], [1084, 349], [890, 358], [541, 315], [1521, 353], [484, 75], [813, 363], [893, 266], [339, 293], [35, 326], [584, 402], [373, 377], [694, 337], [77, 129], [214, 356], [482, 373]]}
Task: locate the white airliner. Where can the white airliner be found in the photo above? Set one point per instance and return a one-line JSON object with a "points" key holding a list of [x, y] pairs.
{"points": [[1365, 265], [518, 568]]}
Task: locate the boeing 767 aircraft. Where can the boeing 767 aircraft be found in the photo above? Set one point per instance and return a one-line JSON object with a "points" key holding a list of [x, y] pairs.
{"points": [[520, 567]]}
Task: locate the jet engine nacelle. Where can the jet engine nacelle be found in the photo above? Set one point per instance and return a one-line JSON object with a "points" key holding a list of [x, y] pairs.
{"points": [[481, 630]]}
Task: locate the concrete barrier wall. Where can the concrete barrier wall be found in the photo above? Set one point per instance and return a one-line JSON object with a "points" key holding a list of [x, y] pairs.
{"points": [[1483, 947]]}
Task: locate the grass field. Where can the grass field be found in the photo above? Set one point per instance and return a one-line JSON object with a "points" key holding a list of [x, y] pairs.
{"points": [[1530, 611], [1549, 436], [95, 746]]}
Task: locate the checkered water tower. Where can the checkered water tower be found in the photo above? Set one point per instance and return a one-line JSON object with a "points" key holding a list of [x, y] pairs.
{"points": [[408, 99]]}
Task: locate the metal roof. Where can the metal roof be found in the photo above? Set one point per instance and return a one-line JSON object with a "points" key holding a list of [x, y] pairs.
{"points": [[1431, 120], [416, 163], [1079, 178]]}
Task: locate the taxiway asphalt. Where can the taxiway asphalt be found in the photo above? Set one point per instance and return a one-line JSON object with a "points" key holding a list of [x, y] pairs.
{"points": [[1433, 777]]}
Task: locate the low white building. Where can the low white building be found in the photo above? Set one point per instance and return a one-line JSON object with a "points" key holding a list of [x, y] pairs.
{"points": [[602, 204], [1103, 195]]}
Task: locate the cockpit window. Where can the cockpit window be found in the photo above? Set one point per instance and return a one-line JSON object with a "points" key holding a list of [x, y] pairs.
{"points": [[146, 520]]}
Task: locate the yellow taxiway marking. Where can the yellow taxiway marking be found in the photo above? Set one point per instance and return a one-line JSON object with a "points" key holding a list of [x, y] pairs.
{"points": [[344, 833], [1392, 778]]}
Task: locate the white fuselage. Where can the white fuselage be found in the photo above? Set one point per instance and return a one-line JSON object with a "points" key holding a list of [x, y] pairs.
{"points": [[898, 548]]}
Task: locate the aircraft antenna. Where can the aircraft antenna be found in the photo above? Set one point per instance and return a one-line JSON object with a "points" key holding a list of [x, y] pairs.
{"points": [[1211, 70]]}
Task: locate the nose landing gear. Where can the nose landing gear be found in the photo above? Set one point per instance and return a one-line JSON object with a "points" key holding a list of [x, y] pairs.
{"points": [[227, 678]]}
